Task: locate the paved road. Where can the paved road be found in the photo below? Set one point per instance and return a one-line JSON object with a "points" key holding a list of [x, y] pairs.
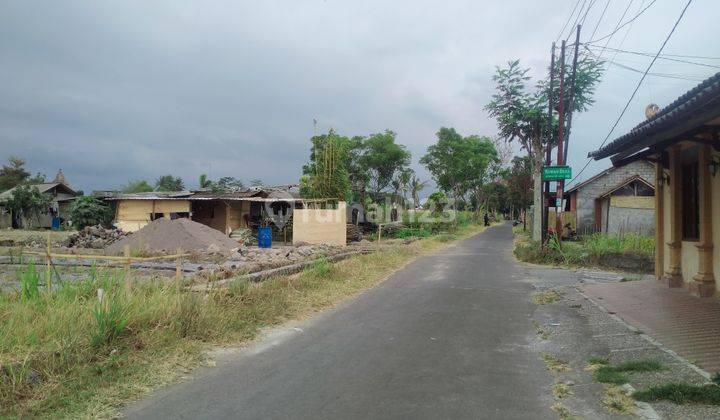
{"points": [[446, 337]]}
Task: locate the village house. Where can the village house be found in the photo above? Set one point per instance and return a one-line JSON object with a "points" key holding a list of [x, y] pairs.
{"points": [[683, 139], [281, 208], [62, 196], [617, 200]]}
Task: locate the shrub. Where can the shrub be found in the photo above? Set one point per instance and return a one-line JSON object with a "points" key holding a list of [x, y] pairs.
{"points": [[111, 317], [29, 282], [89, 211]]}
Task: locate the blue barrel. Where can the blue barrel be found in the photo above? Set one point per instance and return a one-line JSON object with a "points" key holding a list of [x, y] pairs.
{"points": [[55, 223], [264, 237]]}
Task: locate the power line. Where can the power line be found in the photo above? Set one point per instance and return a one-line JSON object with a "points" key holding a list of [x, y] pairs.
{"points": [[632, 96], [592, 3], [562, 31], [602, 15], [626, 23], [627, 32], [577, 19], [617, 25], [693, 78], [667, 57]]}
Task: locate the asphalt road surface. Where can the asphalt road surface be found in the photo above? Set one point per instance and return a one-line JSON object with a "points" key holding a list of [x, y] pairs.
{"points": [[448, 336]]}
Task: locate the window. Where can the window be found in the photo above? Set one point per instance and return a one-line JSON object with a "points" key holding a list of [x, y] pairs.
{"points": [[690, 202]]}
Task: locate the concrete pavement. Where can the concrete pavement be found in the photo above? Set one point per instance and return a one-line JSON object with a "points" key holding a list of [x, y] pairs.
{"points": [[448, 336]]}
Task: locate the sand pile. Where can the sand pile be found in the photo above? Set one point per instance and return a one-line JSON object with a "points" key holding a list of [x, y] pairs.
{"points": [[169, 235]]}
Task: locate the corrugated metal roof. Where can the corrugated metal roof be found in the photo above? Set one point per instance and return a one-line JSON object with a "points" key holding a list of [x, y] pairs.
{"points": [[42, 187], [707, 92]]}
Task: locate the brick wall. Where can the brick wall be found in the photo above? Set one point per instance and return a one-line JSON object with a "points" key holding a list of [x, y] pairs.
{"points": [[587, 194]]}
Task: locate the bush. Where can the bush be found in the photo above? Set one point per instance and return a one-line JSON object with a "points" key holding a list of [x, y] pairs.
{"points": [[89, 211], [111, 317]]}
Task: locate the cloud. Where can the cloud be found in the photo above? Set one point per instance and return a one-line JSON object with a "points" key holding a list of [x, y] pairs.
{"points": [[118, 90]]}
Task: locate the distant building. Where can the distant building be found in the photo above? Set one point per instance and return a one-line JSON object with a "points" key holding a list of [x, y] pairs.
{"points": [[617, 200], [62, 196]]}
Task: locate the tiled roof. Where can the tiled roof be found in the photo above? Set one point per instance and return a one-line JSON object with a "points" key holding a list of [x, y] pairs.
{"points": [[695, 99]]}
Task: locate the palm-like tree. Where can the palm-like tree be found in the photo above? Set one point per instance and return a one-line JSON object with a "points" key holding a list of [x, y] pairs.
{"points": [[415, 187], [204, 181]]}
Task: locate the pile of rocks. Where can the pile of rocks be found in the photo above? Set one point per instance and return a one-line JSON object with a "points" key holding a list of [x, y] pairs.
{"points": [[96, 237], [254, 258]]}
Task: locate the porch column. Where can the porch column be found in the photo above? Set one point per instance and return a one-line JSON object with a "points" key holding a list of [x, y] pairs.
{"points": [[659, 220], [673, 275], [704, 281]]}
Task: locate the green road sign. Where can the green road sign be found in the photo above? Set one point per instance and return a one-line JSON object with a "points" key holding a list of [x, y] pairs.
{"points": [[556, 173]]}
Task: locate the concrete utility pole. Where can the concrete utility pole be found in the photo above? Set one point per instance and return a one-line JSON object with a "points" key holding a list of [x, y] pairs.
{"points": [[548, 147], [561, 137], [572, 93]]}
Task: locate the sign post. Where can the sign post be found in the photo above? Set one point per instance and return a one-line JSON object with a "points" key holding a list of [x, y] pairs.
{"points": [[556, 173]]}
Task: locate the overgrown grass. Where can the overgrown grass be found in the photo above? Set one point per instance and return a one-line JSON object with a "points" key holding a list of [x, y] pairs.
{"points": [[66, 353], [681, 393], [628, 252]]}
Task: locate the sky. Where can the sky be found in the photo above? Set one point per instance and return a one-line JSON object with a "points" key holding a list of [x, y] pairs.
{"points": [[116, 90]]}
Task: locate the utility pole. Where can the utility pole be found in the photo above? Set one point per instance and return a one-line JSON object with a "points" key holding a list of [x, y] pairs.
{"points": [[548, 148], [572, 93], [560, 152]]}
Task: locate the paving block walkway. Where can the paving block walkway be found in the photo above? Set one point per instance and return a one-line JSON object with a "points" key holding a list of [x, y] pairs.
{"points": [[688, 325]]}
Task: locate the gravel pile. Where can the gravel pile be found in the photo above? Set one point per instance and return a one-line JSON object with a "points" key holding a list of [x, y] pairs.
{"points": [[164, 235], [96, 237]]}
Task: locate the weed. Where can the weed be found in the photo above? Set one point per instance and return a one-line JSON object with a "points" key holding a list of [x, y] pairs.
{"points": [[616, 374], [561, 390], [681, 393], [111, 317], [562, 411], [554, 364], [716, 378], [29, 282], [596, 360], [545, 298], [542, 332], [616, 400]]}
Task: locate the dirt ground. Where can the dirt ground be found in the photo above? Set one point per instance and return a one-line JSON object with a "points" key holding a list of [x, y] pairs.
{"points": [[21, 235]]}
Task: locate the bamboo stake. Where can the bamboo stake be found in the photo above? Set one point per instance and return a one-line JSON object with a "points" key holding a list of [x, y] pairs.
{"points": [[178, 267], [126, 252], [379, 234], [48, 276]]}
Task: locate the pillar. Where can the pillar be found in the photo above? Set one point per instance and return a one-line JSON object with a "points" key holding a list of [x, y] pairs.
{"points": [[659, 220], [673, 275], [703, 283]]}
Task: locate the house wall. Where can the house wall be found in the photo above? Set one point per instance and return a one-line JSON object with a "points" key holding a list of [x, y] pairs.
{"points": [[132, 215], [320, 226], [211, 213], [630, 214], [587, 194], [716, 228]]}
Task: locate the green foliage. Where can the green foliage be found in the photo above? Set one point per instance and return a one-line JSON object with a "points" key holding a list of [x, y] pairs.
{"points": [[229, 183], [415, 187], [327, 176], [256, 182], [169, 183], [204, 181], [519, 182], [413, 232], [437, 202], [29, 282], [89, 211], [27, 201], [601, 243], [13, 174], [459, 164], [616, 374], [111, 318], [136, 186], [681, 393], [382, 158]]}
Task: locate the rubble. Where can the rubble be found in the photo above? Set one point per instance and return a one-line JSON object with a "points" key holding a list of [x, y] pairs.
{"points": [[96, 237], [354, 234]]}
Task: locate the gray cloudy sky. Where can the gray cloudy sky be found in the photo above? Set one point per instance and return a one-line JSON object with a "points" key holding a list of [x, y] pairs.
{"points": [[114, 90]]}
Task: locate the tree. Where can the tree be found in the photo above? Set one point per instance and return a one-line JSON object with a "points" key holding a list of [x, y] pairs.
{"points": [[256, 182], [521, 113], [520, 183], [26, 202], [458, 164], [382, 158], [415, 187], [89, 211], [136, 186], [400, 184], [229, 183], [13, 174], [436, 202], [204, 181], [326, 176], [169, 183]]}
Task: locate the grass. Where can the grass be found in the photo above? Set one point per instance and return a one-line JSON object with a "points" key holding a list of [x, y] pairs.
{"points": [[561, 390], [627, 252], [616, 400], [681, 393], [554, 364], [547, 297], [89, 356], [541, 331], [562, 411], [616, 374]]}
